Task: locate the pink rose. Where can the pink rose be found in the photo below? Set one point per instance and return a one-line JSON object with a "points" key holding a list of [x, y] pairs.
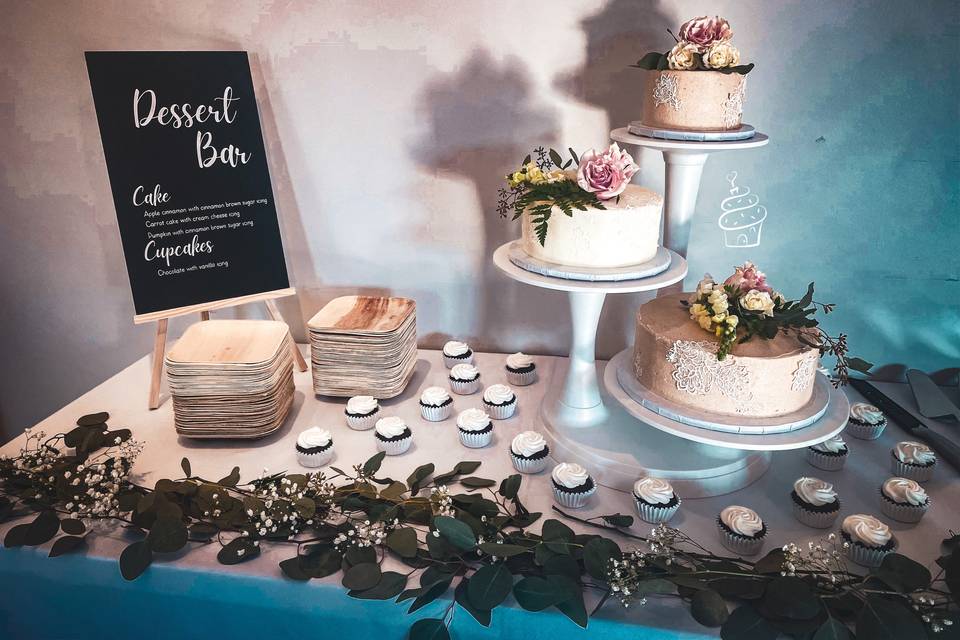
{"points": [[704, 31], [747, 278], [606, 174]]}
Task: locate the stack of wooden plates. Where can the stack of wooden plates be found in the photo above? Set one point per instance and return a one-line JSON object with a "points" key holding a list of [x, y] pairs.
{"points": [[231, 378], [363, 345]]}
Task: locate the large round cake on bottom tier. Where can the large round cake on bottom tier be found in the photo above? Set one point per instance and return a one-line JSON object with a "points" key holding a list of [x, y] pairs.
{"points": [[676, 359], [626, 232]]}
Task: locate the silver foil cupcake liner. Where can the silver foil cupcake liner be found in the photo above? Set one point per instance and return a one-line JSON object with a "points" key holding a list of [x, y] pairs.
{"points": [[916, 472], [475, 439], [394, 447], [815, 519], [314, 460], [743, 545], [910, 513], [436, 414], [527, 465], [521, 378], [450, 362], [822, 461], [655, 514], [500, 412], [865, 431], [570, 499], [866, 556], [465, 387], [363, 423]]}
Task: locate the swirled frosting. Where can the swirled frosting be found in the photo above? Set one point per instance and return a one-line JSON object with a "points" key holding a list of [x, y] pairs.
{"points": [[473, 420], [455, 349], [361, 405], [653, 490], [519, 360], [914, 453], [391, 426], [866, 529], [569, 475], [815, 491], [434, 396], [831, 445], [904, 491], [866, 413], [314, 437], [528, 443], [464, 371], [498, 394], [741, 520]]}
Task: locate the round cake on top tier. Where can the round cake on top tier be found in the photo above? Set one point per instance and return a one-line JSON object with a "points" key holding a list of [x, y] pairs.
{"points": [[626, 232], [677, 360]]}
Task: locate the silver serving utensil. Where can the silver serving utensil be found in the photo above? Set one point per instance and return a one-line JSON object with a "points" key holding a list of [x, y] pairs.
{"points": [[931, 400]]}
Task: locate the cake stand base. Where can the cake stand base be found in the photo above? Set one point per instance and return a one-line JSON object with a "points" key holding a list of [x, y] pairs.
{"points": [[619, 448]]}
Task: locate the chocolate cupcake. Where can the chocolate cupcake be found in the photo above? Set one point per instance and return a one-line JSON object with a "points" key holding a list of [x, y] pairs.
{"points": [[866, 540], [362, 412], [741, 530], [913, 460], [475, 428], [455, 353], [829, 455], [866, 421], [393, 435], [903, 500], [529, 452], [815, 503], [655, 499], [464, 379], [499, 401], [435, 404], [521, 369], [314, 447], [572, 485]]}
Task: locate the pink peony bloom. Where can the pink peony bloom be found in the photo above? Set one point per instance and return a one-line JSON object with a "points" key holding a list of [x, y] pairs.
{"points": [[747, 278], [704, 31], [606, 174]]}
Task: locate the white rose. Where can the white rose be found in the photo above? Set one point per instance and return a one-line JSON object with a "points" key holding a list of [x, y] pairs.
{"points": [[755, 300], [721, 55], [682, 57]]}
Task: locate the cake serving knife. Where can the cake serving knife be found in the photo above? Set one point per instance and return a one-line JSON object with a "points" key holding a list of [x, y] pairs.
{"points": [[944, 447]]}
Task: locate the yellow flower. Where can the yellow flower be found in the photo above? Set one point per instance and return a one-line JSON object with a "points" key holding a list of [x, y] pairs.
{"points": [[720, 317], [718, 331], [733, 321], [704, 322]]}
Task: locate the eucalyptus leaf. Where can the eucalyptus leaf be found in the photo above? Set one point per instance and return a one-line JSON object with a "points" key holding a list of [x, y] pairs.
{"points": [[562, 565], [359, 555], [362, 576], [419, 474], [510, 485], [293, 569], [771, 563], [745, 623], [460, 596], [709, 608], [597, 555], [66, 544], [232, 479], [429, 629], [135, 559], [573, 605], [502, 550], [489, 586], [391, 584], [536, 594], [371, 466], [403, 542], [477, 483], [618, 520], [430, 594], [73, 526], [42, 529], [791, 597], [185, 465], [93, 419], [167, 535], [455, 532], [238, 550], [887, 619], [15, 536], [902, 574], [833, 629]]}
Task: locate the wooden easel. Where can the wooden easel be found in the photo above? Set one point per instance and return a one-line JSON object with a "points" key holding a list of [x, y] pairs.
{"points": [[162, 317]]}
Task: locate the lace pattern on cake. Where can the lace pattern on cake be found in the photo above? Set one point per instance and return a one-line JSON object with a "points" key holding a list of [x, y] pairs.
{"points": [[803, 376], [666, 91], [698, 372], [733, 105]]}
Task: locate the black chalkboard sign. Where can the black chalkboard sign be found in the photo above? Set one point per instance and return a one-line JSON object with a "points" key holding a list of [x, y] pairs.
{"points": [[184, 152]]}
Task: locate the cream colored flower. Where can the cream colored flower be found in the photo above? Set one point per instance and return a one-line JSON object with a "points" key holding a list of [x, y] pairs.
{"points": [[697, 309], [718, 301], [556, 175], [733, 321], [704, 322], [706, 285], [755, 300], [721, 55], [682, 57], [719, 318]]}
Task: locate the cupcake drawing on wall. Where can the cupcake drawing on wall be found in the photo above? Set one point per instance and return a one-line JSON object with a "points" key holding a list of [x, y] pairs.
{"points": [[742, 217]]}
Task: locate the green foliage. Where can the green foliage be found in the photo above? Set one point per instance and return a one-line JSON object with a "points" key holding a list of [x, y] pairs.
{"points": [[656, 61]]}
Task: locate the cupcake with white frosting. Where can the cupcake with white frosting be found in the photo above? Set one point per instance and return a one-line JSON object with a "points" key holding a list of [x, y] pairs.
{"points": [[815, 503], [866, 421], [475, 428], [435, 404], [572, 485], [314, 447], [456, 352], [913, 460], [393, 435], [521, 369], [903, 500], [655, 499], [829, 455], [465, 379], [362, 412], [867, 541], [741, 530], [529, 451], [500, 401]]}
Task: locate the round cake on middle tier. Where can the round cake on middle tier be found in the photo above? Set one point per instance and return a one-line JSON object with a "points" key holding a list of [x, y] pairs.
{"points": [[676, 359], [626, 232]]}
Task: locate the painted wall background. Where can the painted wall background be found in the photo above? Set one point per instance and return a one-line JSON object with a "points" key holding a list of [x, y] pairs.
{"points": [[389, 124]]}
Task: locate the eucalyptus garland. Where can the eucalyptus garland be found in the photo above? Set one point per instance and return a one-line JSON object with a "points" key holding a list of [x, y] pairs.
{"points": [[459, 532]]}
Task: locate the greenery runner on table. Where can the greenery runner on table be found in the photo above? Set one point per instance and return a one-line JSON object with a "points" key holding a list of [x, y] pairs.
{"points": [[473, 539]]}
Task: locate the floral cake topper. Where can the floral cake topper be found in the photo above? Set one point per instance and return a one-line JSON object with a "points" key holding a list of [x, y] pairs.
{"points": [[703, 44]]}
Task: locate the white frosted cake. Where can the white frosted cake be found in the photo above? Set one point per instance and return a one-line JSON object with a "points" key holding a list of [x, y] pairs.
{"points": [[626, 232]]}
